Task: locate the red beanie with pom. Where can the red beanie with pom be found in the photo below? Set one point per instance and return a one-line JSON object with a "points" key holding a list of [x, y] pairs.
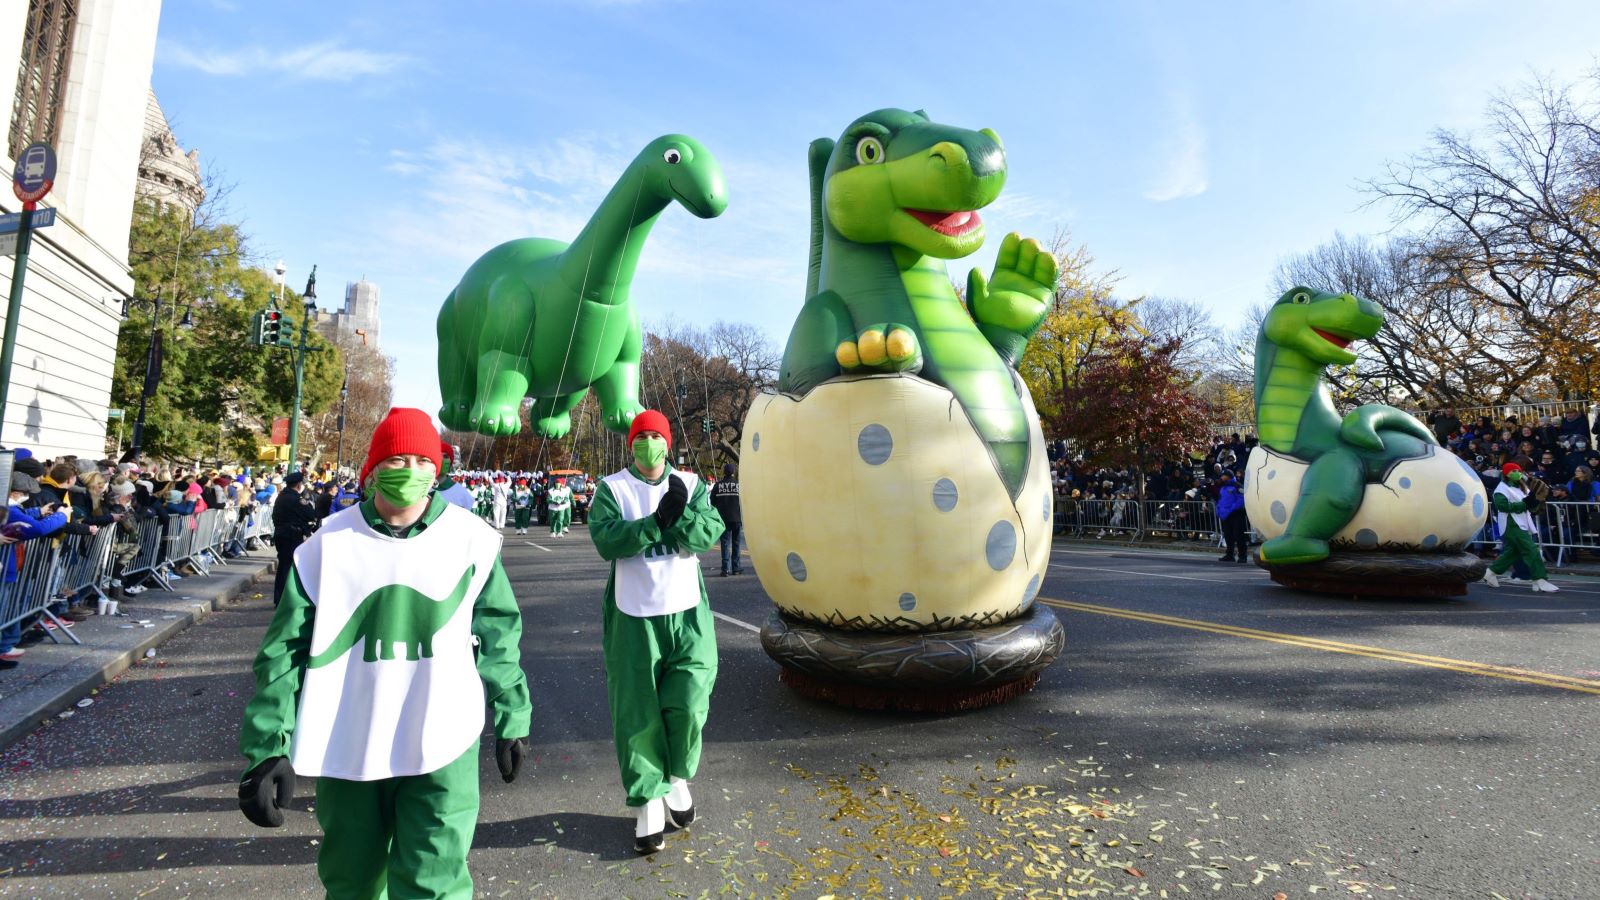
{"points": [[403, 430], [650, 420]]}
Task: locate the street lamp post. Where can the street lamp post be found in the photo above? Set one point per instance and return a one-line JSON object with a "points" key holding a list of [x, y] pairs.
{"points": [[152, 369], [344, 394], [300, 368]]}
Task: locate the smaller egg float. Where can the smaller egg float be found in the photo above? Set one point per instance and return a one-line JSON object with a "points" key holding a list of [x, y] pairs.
{"points": [[895, 490], [1367, 503]]}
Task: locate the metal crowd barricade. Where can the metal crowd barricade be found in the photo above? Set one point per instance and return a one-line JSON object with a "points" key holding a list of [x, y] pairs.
{"points": [[1099, 518], [84, 561], [1184, 520], [29, 588], [148, 562]]}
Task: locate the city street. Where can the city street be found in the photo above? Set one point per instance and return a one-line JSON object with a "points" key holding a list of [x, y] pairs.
{"points": [[1206, 732]]}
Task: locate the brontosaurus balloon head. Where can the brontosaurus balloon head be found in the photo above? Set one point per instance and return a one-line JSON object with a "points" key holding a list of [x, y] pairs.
{"points": [[678, 167]]}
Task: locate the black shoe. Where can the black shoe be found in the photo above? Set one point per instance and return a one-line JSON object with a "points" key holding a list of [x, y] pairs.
{"points": [[1228, 558], [738, 571], [726, 574], [680, 819], [1245, 558], [650, 843]]}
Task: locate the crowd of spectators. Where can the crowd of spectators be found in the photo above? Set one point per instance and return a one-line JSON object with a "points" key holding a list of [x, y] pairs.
{"points": [[50, 499], [1561, 451]]}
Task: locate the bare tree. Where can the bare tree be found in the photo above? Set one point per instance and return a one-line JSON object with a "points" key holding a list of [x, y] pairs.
{"points": [[1512, 219]]}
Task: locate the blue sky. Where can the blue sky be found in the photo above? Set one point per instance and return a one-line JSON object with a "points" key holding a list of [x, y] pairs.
{"points": [[1190, 146]]}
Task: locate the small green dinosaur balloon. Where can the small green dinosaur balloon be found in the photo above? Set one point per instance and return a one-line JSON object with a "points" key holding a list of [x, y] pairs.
{"points": [[893, 198], [1303, 333], [538, 318]]}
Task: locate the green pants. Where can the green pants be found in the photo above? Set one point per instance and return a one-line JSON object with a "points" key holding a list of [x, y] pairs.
{"points": [[399, 837], [659, 673], [1518, 544], [523, 516], [560, 520]]}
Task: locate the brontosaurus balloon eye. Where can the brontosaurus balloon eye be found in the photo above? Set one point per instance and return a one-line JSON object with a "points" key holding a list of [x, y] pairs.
{"points": [[1302, 297], [672, 156], [869, 151]]}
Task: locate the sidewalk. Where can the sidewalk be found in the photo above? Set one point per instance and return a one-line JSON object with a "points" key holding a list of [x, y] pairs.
{"points": [[54, 677]]}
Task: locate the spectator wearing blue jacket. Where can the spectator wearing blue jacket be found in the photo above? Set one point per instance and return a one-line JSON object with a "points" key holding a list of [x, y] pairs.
{"points": [[1235, 525], [21, 525]]}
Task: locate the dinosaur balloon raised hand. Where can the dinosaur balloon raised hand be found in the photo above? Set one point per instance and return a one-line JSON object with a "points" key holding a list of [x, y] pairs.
{"points": [[538, 318]]}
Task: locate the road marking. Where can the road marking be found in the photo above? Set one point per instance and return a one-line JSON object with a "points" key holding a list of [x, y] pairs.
{"points": [[532, 544], [1526, 676], [1146, 574], [731, 620]]}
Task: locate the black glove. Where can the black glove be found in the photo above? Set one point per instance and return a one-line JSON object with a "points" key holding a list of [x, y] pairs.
{"points": [[509, 753], [266, 790], [672, 505]]}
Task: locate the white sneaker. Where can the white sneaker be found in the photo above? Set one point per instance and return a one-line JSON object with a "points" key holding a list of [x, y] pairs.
{"points": [[680, 804], [650, 826], [1490, 578], [1540, 585]]}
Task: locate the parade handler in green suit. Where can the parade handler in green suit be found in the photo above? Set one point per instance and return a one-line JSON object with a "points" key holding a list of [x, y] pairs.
{"points": [[367, 678], [1514, 507], [660, 648]]}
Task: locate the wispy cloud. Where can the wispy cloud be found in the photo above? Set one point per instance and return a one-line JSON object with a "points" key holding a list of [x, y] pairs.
{"points": [[1184, 153], [325, 61]]}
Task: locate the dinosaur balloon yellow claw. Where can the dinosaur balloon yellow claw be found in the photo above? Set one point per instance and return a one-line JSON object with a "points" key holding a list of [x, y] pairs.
{"points": [[901, 344], [872, 347], [847, 355]]}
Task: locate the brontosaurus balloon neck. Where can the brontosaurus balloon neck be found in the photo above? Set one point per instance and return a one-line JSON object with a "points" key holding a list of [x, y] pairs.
{"points": [[600, 263]]}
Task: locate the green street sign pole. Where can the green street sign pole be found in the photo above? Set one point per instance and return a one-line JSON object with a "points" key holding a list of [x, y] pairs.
{"points": [[14, 307], [300, 370]]}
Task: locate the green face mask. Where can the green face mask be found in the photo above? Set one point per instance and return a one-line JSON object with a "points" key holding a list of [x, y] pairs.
{"points": [[403, 487], [649, 452]]}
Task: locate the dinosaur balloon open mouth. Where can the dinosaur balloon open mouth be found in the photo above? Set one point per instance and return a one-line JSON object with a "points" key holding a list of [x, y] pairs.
{"points": [[952, 223], [1337, 340]]}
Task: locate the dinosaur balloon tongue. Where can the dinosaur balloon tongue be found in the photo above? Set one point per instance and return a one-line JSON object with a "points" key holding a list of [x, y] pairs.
{"points": [[1337, 340], [960, 221]]}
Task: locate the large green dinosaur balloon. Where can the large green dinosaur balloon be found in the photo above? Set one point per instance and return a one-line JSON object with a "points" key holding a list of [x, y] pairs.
{"points": [[892, 199], [538, 318], [1302, 334]]}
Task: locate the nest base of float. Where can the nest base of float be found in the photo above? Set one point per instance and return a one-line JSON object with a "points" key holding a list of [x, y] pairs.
{"points": [[1377, 574], [915, 671]]}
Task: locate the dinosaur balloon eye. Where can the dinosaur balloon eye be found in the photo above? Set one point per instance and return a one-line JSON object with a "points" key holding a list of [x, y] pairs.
{"points": [[1302, 298], [869, 151], [672, 156]]}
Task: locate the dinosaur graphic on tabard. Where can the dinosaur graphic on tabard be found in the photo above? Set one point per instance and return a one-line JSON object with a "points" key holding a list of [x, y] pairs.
{"points": [[395, 614]]}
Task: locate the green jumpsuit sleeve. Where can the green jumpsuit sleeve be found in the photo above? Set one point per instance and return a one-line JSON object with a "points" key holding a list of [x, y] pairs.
{"points": [[615, 537], [1507, 505], [280, 665], [701, 525], [497, 623]]}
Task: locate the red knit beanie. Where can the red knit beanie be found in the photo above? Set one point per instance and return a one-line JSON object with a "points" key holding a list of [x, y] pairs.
{"points": [[1508, 468], [650, 420], [404, 430]]}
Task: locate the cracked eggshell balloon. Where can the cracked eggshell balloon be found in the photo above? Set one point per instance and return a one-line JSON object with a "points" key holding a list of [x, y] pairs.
{"points": [[872, 504], [1430, 503]]}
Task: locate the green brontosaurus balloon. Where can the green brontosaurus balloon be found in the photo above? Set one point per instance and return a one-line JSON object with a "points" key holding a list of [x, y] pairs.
{"points": [[1304, 333], [542, 319], [396, 614], [892, 199]]}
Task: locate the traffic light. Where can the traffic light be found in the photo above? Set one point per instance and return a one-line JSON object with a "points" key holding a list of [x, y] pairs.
{"points": [[707, 425], [268, 322]]}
